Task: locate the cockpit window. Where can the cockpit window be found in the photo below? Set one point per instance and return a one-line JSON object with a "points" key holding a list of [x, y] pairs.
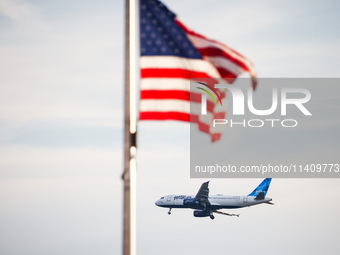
{"points": [[162, 197]]}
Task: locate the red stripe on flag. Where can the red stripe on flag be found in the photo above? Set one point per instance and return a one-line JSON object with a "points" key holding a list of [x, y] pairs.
{"points": [[164, 116], [176, 95], [242, 61], [217, 52], [165, 94], [215, 137], [172, 94], [227, 74], [191, 32], [220, 115], [201, 125], [171, 73]]}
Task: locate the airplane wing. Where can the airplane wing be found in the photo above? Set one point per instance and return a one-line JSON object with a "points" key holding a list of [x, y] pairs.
{"points": [[202, 195], [225, 213]]}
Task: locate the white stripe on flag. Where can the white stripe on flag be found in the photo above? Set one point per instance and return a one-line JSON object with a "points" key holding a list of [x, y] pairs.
{"points": [[197, 65], [164, 84], [164, 105], [204, 43], [173, 105], [225, 64]]}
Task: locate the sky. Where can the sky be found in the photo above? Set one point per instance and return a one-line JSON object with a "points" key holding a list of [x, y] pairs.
{"points": [[61, 132]]}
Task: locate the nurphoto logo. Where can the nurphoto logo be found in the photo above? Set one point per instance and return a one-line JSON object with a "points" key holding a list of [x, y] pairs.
{"points": [[204, 97], [242, 103]]}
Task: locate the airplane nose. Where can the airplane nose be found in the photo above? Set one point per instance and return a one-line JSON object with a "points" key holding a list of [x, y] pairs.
{"points": [[159, 202]]}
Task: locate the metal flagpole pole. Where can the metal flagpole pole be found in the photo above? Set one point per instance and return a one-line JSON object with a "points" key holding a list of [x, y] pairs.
{"points": [[129, 174]]}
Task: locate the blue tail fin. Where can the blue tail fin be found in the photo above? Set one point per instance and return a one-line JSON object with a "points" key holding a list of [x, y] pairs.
{"points": [[263, 187]]}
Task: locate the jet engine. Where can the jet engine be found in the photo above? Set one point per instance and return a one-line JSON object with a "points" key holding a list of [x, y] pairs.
{"points": [[201, 213]]}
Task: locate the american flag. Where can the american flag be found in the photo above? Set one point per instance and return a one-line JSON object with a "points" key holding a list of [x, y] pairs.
{"points": [[171, 55]]}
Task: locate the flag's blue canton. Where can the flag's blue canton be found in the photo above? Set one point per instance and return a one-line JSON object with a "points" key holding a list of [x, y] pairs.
{"points": [[159, 33]]}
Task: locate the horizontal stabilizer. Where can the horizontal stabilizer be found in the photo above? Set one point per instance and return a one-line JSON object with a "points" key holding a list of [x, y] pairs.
{"points": [[260, 196]]}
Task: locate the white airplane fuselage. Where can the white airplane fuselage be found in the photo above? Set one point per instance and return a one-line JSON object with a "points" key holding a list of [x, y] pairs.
{"points": [[216, 202]]}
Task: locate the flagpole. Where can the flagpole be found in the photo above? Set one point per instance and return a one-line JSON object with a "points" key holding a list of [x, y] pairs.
{"points": [[130, 118]]}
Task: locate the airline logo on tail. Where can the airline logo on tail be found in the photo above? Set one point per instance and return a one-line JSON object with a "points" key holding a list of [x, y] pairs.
{"points": [[263, 187]]}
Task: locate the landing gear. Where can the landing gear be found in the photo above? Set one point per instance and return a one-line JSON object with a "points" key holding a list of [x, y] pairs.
{"points": [[169, 212], [212, 216]]}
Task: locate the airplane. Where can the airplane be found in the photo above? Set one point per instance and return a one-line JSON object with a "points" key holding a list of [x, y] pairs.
{"points": [[205, 205]]}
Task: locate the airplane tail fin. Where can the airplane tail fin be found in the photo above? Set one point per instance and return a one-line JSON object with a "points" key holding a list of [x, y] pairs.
{"points": [[262, 188]]}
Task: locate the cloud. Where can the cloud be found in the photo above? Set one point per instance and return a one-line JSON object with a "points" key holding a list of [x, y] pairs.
{"points": [[17, 10], [25, 162], [22, 14], [72, 71], [60, 216]]}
